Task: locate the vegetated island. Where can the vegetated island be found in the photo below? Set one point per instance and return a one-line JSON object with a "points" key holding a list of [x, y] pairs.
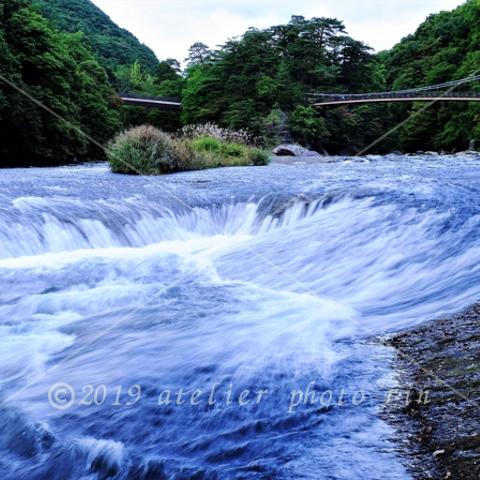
{"points": [[146, 150]]}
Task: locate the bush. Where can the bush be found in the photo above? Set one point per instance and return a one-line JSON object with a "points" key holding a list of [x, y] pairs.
{"points": [[234, 150], [188, 158], [224, 153], [148, 151], [143, 150], [207, 144], [215, 146], [259, 157]]}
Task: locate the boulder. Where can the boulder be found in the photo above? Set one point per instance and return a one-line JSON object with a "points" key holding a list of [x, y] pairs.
{"points": [[294, 151], [467, 152]]}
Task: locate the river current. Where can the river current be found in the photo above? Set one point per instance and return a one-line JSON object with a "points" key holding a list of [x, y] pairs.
{"points": [[220, 324]]}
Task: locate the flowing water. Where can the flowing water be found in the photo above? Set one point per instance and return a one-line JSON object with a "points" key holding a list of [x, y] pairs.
{"points": [[219, 324]]}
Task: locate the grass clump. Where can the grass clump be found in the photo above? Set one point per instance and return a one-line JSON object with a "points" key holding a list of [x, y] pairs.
{"points": [[258, 157], [228, 154], [146, 150]]}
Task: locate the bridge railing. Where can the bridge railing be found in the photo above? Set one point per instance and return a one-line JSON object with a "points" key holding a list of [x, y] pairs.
{"points": [[332, 97]]}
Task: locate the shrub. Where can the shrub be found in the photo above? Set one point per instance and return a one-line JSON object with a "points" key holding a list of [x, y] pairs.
{"points": [[234, 150], [143, 150], [207, 144], [188, 158], [259, 157], [223, 153], [219, 147]]}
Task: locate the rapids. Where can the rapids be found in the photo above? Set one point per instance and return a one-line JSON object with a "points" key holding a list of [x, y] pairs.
{"points": [[135, 314]]}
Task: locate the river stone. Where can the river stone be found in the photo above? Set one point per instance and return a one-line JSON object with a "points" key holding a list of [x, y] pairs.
{"points": [[294, 151]]}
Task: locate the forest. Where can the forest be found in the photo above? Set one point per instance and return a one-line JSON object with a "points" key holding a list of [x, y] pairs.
{"points": [[59, 71], [72, 58]]}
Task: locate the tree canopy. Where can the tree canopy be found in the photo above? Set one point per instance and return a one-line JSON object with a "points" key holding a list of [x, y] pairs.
{"points": [[250, 81], [57, 70]]}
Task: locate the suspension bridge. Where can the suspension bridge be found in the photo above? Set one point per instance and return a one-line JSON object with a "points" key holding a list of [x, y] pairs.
{"points": [[441, 92]]}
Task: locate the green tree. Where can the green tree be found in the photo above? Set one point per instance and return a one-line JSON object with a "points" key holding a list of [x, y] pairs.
{"points": [[198, 54], [167, 81], [308, 127]]}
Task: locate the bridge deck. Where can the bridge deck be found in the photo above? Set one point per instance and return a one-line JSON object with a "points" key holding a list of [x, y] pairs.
{"points": [[348, 101], [166, 104]]}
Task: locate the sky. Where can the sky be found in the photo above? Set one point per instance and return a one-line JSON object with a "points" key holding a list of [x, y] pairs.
{"points": [[169, 27]]}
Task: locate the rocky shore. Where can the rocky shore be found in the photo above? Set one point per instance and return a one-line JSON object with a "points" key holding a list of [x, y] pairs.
{"points": [[439, 426]]}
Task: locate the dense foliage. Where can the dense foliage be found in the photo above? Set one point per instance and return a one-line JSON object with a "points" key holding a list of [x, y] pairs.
{"points": [[146, 150], [59, 72], [259, 82], [112, 46], [445, 47]]}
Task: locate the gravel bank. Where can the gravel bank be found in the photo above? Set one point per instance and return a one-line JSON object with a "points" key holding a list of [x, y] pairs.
{"points": [[440, 424]]}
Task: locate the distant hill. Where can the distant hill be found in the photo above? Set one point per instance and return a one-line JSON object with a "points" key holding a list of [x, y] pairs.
{"points": [[113, 46]]}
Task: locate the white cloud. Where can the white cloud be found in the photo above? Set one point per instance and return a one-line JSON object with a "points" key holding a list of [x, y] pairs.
{"points": [[169, 27]]}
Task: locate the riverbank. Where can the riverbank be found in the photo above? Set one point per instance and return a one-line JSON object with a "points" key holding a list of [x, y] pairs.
{"points": [[440, 433]]}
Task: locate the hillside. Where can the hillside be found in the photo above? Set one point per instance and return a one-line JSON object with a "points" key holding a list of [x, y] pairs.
{"points": [[58, 71], [112, 46], [445, 47]]}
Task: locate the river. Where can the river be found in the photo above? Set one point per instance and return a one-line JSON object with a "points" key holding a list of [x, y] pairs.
{"points": [[219, 324]]}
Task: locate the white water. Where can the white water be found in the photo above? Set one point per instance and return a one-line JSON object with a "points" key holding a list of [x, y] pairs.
{"points": [[128, 290]]}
